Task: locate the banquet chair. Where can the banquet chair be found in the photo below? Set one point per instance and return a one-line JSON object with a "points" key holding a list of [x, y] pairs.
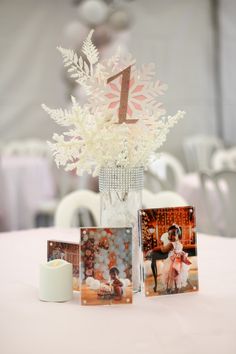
{"points": [[72, 203], [224, 159], [162, 199], [153, 182], [168, 172], [28, 147], [198, 151], [224, 183], [69, 205]]}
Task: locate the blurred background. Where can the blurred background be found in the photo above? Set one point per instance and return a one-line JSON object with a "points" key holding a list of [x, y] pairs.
{"points": [[192, 44]]}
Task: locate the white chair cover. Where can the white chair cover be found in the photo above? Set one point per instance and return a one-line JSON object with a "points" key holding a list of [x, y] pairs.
{"points": [[224, 159], [224, 183], [164, 173], [199, 150], [163, 199], [66, 210], [29, 147]]}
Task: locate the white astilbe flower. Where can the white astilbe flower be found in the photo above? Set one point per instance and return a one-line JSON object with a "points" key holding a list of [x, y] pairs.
{"points": [[93, 138], [90, 51], [92, 142]]}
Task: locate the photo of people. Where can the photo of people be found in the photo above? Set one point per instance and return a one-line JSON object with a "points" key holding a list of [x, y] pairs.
{"points": [[169, 250], [106, 266], [68, 251]]}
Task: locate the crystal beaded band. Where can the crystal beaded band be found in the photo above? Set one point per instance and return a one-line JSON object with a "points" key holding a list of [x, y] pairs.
{"points": [[121, 179]]}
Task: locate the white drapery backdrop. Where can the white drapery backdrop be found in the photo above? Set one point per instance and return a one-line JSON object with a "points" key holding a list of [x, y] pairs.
{"points": [[177, 35], [30, 69], [227, 30]]}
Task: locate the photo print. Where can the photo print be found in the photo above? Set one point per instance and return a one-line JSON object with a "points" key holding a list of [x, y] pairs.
{"points": [[169, 249], [68, 251], [106, 266]]}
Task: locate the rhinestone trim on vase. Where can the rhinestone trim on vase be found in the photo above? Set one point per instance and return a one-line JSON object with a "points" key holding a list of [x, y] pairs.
{"points": [[121, 179]]}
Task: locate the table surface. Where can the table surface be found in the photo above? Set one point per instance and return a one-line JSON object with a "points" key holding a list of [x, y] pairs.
{"points": [[188, 323]]}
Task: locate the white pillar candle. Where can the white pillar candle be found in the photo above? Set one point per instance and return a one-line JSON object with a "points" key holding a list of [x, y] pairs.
{"points": [[56, 281]]}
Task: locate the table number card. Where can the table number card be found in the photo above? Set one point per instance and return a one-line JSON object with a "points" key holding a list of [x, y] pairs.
{"points": [[70, 252], [106, 266], [169, 250]]}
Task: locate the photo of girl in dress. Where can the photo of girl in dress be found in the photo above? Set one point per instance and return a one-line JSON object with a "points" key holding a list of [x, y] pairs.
{"points": [[106, 266], [169, 250], [176, 265]]}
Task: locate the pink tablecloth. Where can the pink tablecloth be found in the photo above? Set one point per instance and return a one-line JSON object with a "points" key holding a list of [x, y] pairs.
{"points": [[26, 182], [203, 322]]}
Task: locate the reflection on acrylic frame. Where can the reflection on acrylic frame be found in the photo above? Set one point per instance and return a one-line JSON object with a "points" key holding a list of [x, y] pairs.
{"points": [[106, 266], [70, 252], [169, 249]]}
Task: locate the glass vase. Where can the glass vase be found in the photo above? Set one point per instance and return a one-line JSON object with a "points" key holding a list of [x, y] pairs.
{"points": [[121, 197]]}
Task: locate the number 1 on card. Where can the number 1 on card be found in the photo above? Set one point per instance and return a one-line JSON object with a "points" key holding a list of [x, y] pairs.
{"points": [[124, 95]]}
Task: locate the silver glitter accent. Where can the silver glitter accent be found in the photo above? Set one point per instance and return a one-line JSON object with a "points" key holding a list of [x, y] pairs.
{"points": [[121, 179]]}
